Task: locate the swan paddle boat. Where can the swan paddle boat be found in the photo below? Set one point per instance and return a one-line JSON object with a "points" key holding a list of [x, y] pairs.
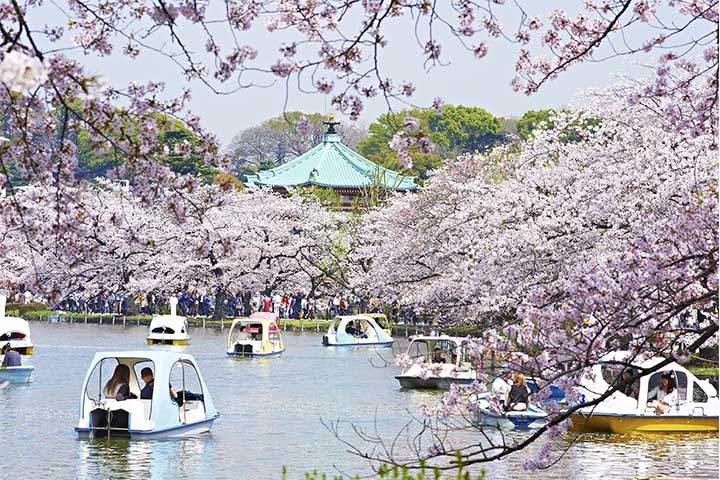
{"points": [[532, 418], [693, 405], [179, 404], [169, 329], [357, 331], [438, 361], [256, 336], [15, 331]]}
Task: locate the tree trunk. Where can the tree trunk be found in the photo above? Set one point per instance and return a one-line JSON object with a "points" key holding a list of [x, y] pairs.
{"points": [[220, 296]]}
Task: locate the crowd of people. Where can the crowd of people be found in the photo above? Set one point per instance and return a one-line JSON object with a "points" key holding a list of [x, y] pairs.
{"points": [[288, 305]]}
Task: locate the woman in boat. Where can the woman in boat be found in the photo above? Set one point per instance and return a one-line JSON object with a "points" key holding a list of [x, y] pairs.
{"points": [[118, 386], [519, 393], [665, 394]]}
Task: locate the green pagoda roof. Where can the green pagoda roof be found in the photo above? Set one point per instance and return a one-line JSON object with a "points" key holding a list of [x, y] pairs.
{"points": [[332, 164]]}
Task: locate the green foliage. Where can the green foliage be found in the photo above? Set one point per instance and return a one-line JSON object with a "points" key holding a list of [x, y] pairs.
{"points": [[376, 146], [174, 133], [459, 129], [462, 129], [326, 196], [22, 309], [94, 161], [532, 119]]}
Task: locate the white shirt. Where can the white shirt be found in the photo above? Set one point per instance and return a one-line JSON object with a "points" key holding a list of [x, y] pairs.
{"points": [[659, 394], [500, 386]]}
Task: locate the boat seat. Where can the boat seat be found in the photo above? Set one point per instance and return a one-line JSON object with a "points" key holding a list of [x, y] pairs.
{"points": [[194, 411]]}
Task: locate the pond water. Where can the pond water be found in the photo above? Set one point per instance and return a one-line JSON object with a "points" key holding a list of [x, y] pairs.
{"points": [[271, 412]]}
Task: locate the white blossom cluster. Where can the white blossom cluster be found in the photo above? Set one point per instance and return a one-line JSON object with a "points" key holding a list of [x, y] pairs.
{"points": [[21, 72]]}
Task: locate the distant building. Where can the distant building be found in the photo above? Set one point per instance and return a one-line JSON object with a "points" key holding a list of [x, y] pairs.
{"points": [[334, 166]]}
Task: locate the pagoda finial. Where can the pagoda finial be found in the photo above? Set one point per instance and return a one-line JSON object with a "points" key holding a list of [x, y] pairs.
{"points": [[330, 122]]}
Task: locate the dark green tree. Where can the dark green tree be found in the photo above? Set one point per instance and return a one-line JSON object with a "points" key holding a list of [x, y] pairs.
{"points": [[94, 160], [532, 119], [464, 129], [457, 130], [376, 146]]}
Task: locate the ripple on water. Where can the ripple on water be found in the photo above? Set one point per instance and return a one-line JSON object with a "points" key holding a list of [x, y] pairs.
{"points": [[271, 413]]}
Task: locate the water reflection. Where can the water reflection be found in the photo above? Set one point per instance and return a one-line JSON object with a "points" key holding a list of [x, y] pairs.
{"points": [[122, 458]]}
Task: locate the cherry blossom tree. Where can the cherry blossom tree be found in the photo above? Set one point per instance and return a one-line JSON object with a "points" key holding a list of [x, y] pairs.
{"points": [[561, 251], [254, 241], [335, 47]]}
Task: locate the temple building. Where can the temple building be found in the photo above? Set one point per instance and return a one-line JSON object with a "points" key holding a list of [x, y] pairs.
{"points": [[334, 166]]}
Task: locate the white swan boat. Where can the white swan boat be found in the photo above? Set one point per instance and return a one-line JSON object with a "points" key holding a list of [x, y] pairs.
{"points": [[256, 336], [180, 404], [15, 331], [356, 330], [169, 329], [438, 361], [693, 406]]}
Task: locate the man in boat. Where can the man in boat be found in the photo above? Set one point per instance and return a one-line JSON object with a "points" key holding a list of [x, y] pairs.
{"points": [[351, 330], [12, 358], [147, 391], [437, 357]]}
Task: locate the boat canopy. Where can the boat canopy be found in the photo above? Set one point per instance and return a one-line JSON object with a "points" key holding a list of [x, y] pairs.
{"points": [[381, 320], [172, 370], [13, 328], [367, 331], [340, 324], [261, 327], [455, 350], [168, 324]]}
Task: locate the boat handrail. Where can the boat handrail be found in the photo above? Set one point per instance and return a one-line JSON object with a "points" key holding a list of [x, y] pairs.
{"points": [[696, 408]]}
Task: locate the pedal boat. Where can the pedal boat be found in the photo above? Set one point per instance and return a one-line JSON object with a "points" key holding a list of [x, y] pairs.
{"points": [[696, 410], [369, 333], [530, 419], [15, 331], [425, 373], [263, 336], [16, 374], [160, 417], [169, 329]]}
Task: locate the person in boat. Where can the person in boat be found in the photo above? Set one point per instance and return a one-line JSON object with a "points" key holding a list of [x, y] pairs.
{"points": [[626, 387], [12, 358], [118, 387], [362, 330], [351, 330], [242, 335], [519, 394], [149, 378], [501, 385], [664, 395], [437, 356]]}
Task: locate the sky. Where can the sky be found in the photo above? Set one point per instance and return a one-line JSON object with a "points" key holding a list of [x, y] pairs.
{"points": [[465, 80]]}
